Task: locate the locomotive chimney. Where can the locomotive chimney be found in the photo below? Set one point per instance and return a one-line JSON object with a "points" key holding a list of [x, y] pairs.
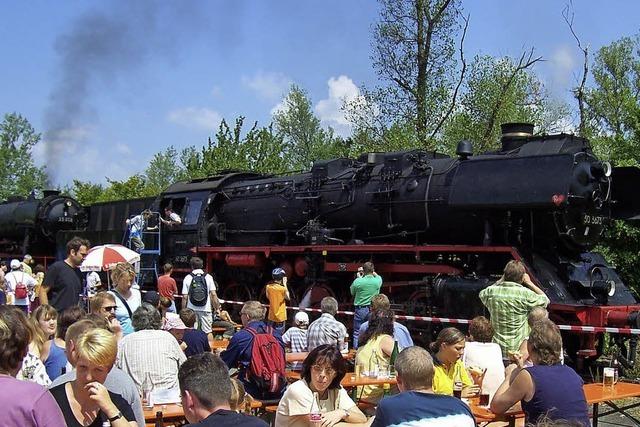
{"points": [[515, 134]]}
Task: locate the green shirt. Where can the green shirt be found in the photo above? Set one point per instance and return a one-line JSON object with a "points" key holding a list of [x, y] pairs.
{"points": [[364, 288], [509, 305]]}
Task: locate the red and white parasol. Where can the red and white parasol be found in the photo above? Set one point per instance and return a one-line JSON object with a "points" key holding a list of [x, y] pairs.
{"points": [[105, 257]]}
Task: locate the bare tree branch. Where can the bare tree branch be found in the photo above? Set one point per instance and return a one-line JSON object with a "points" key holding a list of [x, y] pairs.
{"points": [[526, 60], [463, 70], [578, 92]]}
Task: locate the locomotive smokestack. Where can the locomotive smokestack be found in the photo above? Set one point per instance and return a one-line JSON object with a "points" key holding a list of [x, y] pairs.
{"points": [[515, 134]]}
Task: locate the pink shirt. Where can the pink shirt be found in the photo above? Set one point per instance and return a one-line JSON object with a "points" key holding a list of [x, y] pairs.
{"points": [[28, 404]]}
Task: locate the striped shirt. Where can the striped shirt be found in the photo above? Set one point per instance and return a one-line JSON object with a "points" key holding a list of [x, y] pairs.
{"points": [[296, 338], [154, 352], [325, 330], [509, 304]]}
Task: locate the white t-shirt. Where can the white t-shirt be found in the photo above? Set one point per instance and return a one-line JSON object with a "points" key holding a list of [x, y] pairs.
{"points": [[211, 287], [485, 355], [298, 400], [93, 282], [175, 217], [13, 278]]}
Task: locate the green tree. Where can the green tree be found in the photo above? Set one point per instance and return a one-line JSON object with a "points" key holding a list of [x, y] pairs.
{"points": [[130, 188], [500, 90], [414, 55], [163, 170], [613, 124], [18, 174], [304, 138], [258, 150], [86, 193], [613, 102]]}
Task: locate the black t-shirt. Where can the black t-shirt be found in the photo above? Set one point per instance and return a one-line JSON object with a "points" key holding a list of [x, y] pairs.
{"points": [[65, 285], [197, 342], [60, 394], [224, 418]]}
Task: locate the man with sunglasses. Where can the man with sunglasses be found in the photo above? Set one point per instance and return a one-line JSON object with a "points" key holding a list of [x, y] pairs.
{"points": [[104, 304]]}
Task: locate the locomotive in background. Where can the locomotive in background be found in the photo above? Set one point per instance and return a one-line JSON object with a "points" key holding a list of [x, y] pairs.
{"points": [[438, 228], [30, 225]]}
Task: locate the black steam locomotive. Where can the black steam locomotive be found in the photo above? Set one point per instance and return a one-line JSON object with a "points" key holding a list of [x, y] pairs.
{"points": [[30, 225], [438, 228]]}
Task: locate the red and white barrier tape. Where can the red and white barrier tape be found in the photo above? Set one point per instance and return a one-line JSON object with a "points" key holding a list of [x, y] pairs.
{"points": [[573, 328]]}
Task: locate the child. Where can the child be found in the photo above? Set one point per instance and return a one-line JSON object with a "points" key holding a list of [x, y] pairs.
{"points": [[296, 337], [193, 340]]}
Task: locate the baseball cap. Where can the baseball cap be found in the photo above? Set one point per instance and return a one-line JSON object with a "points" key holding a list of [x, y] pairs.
{"points": [[151, 297], [301, 317], [14, 264]]}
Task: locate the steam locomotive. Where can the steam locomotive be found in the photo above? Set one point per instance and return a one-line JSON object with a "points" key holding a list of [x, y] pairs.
{"points": [[30, 225], [438, 229]]}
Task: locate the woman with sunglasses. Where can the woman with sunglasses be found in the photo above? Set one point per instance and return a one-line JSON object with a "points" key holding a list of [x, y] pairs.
{"points": [[318, 399], [128, 299]]}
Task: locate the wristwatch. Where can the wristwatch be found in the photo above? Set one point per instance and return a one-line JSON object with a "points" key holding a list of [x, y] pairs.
{"points": [[116, 417]]}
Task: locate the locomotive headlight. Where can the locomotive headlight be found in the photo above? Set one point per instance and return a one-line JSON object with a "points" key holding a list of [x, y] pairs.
{"points": [[601, 170], [68, 203]]}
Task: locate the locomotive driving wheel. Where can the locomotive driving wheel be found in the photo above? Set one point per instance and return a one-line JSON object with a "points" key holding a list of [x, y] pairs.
{"points": [[237, 293]]}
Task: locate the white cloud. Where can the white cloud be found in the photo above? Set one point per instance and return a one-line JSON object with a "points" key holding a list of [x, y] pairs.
{"points": [[562, 63], [272, 85], [280, 107], [329, 111], [195, 118], [122, 148]]}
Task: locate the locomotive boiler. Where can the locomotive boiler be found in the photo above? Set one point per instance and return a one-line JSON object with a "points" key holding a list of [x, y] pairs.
{"points": [[438, 228], [30, 225]]}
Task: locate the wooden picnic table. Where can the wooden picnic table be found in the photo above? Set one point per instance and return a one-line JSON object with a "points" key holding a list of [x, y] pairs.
{"points": [[300, 356], [483, 413], [597, 394], [173, 412], [218, 345]]}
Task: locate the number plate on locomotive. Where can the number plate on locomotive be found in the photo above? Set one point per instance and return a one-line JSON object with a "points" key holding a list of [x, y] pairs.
{"points": [[593, 219], [65, 219]]}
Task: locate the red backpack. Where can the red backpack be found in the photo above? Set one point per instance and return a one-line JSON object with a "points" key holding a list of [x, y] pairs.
{"points": [[267, 369], [21, 291]]}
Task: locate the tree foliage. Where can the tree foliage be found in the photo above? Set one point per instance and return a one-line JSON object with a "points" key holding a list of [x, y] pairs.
{"points": [[414, 49], [18, 174], [496, 91], [613, 102], [613, 125], [304, 139]]}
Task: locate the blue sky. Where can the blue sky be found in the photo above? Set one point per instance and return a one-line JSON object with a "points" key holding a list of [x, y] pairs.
{"points": [[110, 83]]}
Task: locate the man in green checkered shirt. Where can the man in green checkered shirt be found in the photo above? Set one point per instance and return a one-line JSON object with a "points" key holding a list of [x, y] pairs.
{"points": [[509, 301]]}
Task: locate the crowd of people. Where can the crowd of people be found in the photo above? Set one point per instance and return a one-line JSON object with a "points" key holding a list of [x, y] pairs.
{"points": [[62, 364]]}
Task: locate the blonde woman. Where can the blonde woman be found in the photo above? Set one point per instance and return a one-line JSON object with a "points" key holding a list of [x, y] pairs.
{"points": [[85, 401], [45, 322], [127, 298]]}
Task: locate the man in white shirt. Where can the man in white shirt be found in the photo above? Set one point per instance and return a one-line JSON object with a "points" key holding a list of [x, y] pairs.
{"points": [[203, 310], [137, 226], [172, 218], [13, 278]]}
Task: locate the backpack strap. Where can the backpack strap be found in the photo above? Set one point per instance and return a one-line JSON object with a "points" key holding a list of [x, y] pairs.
{"points": [[124, 301]]}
